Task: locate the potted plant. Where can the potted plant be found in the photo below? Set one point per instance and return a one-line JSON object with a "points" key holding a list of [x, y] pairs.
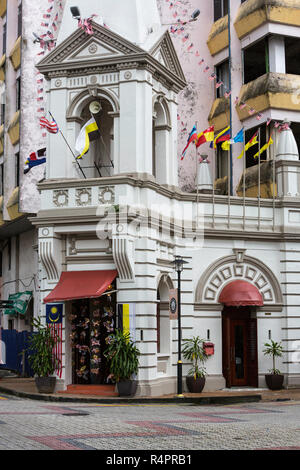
{"points": [[193, 351], [41, 358], [124, 362], [274, 379]]}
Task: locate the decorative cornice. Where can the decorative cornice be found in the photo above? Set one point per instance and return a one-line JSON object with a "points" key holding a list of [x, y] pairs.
{"points": [[133, 56]]}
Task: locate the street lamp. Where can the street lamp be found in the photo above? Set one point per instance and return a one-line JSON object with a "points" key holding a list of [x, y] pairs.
{"points": [[178, 265]]}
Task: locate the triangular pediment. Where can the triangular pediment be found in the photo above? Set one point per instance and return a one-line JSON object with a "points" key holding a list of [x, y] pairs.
{"points": [[165, 53], [80, 47], [94, 49], [106, 49]]}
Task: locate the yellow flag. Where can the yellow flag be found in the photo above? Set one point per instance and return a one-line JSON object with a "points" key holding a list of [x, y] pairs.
{"points": [[267, 145], [226, 145], [248, 145], [83, 140]]}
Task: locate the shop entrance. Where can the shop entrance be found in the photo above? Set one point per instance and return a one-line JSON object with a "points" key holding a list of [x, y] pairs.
{"points": [[92, 323], [240, 364]]}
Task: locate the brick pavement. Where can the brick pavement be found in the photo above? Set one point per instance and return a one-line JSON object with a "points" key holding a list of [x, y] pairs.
{"points": [[26, 424]]}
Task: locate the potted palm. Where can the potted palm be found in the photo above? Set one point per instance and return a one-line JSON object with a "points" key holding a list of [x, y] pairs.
{"points": [[41, 358], [274, 379], [193, 351], [124, 362]]}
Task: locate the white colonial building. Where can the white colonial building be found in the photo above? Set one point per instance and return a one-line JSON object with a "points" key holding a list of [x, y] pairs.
{"points": [[109, 232]]}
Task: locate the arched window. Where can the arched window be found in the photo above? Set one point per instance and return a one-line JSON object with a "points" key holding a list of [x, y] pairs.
{"points": [[163, 318], [99, 161], [161, 141]]}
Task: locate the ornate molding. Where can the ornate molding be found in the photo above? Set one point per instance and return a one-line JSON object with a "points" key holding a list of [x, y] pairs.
{"points": [[123, 254], [61, 198], [50, 253], [229, 269], [83, 197], [107, 195]]}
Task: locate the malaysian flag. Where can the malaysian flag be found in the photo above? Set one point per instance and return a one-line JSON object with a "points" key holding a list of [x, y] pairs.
{"points": [[51, 127]]}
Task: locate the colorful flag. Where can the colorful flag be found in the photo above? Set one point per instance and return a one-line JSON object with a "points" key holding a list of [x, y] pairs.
{"points": [[192, 136], [238, 138], [221, 137], [35, 159], [264, 148], [205, 136], [83, 140], [253, 141], [51, 127]]}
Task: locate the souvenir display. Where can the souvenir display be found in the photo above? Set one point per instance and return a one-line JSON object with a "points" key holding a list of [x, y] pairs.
{"points": [[92, 322]]}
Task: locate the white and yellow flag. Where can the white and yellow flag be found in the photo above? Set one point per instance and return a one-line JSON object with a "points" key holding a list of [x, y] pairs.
{"points": [[83, 140]]}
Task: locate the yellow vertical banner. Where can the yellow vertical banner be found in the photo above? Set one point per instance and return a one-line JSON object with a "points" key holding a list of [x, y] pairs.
{"points": [[126, 321]]}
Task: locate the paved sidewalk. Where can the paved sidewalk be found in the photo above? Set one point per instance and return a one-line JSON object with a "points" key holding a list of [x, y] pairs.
{"points": [[30, 425], [25, 388]]}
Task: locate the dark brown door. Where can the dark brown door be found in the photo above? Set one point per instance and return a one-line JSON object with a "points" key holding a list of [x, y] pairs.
{"points": [[238, 353], [239, 347]]}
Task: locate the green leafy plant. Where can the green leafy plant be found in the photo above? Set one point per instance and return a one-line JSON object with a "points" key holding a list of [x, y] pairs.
{"points": [[123, 356], [193, 351], [275, 350], [40, 350]]}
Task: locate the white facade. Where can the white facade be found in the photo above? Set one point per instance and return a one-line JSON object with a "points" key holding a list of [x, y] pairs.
{"points": [[131, 219]]}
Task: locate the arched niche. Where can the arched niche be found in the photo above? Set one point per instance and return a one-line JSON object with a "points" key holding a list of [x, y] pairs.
{"points": [[163, 319], [102, 157], [90, 94], [228, 269], [161, 139]]}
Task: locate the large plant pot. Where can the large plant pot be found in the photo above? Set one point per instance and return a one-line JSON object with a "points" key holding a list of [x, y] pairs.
{"points": [[195, 385], [127, 388], [274, 381], [45, 384]]}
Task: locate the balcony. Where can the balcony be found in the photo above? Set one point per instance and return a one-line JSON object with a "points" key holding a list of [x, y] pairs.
{"points": [[272, 90], [76, 202], [254, 13], [1, 140], [13, 205], [218, 37], [1, 211], [3, 4], [14, 128], [2, 68], [219, 114], [15, 54]]}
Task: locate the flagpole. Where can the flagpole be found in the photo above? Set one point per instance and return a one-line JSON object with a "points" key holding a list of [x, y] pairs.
{"points": [[230, 97], [258, 178], [197, 176], [244, 181], [229, 186], [274, 180], [214, 178], [76, 160]]}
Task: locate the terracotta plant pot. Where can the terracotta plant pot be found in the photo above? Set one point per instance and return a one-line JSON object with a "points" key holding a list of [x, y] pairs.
{"points": [[127, 388], [195, 385], [45, 384], [274, 381]]}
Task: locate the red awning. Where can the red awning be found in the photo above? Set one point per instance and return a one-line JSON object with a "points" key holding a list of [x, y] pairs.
{"points": [[81, 285], [240, 294]]}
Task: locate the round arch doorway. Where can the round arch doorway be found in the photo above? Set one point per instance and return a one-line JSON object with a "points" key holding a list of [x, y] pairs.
{"points": [[239, 333]]}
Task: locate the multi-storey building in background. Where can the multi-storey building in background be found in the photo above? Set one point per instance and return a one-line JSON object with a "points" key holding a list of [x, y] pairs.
{"points": [[154, 78]]}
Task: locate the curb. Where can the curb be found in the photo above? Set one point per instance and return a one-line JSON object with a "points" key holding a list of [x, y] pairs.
{"points": [[228, 400]]}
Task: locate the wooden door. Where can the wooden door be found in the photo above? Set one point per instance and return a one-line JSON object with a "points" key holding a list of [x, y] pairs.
{"points": [[240, 365], [238, 353]]}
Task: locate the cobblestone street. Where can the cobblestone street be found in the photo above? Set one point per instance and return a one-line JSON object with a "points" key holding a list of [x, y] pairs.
{"points": [[30, 425]]}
